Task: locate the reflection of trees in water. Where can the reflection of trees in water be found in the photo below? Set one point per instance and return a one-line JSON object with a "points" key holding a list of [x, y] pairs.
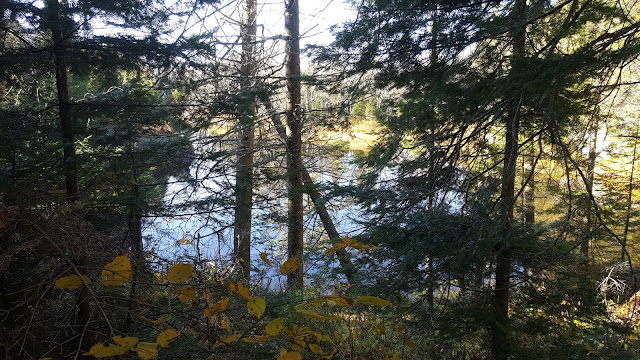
{"points": [[196, 221]]}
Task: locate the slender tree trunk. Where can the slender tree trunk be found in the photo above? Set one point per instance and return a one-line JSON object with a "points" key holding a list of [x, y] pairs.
{"points": [[64, 103], [294, 140], [529, 198], [343, 256], [68, 144], [530, 190], [584, 246], [246, 134], [500, 340], [433, 62], [627, 219], [310, 188]]}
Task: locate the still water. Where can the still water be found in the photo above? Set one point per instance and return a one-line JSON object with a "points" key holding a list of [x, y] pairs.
{"points": [[200, 228]]}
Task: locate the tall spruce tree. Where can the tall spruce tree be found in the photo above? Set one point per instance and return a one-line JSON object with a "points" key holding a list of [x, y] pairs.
{"points": [[501, 66]]}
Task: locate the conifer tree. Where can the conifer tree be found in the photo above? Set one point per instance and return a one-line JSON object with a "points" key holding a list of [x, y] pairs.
{"points": [[502, 66]]}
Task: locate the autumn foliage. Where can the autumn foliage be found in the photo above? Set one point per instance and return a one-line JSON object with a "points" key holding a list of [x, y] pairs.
{"points": [[209, 314]]}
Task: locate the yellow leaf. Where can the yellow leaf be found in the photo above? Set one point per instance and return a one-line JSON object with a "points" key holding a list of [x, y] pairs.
{"points": [[187, 293], [263, 256], [275, 326], [117, 272], [340, 245], [349, 242], [228, 340], [395, 357], [72, 282], [226, 324], [241, 290], [256, 306], [373, 301], [127, 342], [166, 336], [99, 350], [590, 349], [297, 347], [300, 342], [317, 334], [179, 273], [147, 350], [316, 349], [217, 308], [292, 355], [244, 291], [289, 266], [340, 301], [315, 302], [121, 346], [312, 314], [256, 338]]}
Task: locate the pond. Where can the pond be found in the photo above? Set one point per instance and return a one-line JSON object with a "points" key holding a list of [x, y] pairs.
{"points": [[200, 228]]}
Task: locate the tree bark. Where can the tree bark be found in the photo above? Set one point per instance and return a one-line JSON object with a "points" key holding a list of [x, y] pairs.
{"points": [[530, 190], [246, 134], [433, 62], [627, 219], [295, 114], [584, 246], [64, 103], [500, 340], [60, 60]]}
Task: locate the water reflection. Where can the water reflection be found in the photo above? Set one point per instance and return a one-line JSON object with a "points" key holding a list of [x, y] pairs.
{"points": [[200, 225]]}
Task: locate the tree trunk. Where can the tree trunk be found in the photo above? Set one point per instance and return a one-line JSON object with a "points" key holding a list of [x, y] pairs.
{"points": [[64, 103], [627, 219], [246, 134], [433, 62], [530, 190], [68, 144], [584, 246], [499, 334], [529, 195], [294, 141]]}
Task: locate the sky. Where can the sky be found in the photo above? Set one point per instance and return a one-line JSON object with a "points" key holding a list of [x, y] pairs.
{"points": [[316, 18]]}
